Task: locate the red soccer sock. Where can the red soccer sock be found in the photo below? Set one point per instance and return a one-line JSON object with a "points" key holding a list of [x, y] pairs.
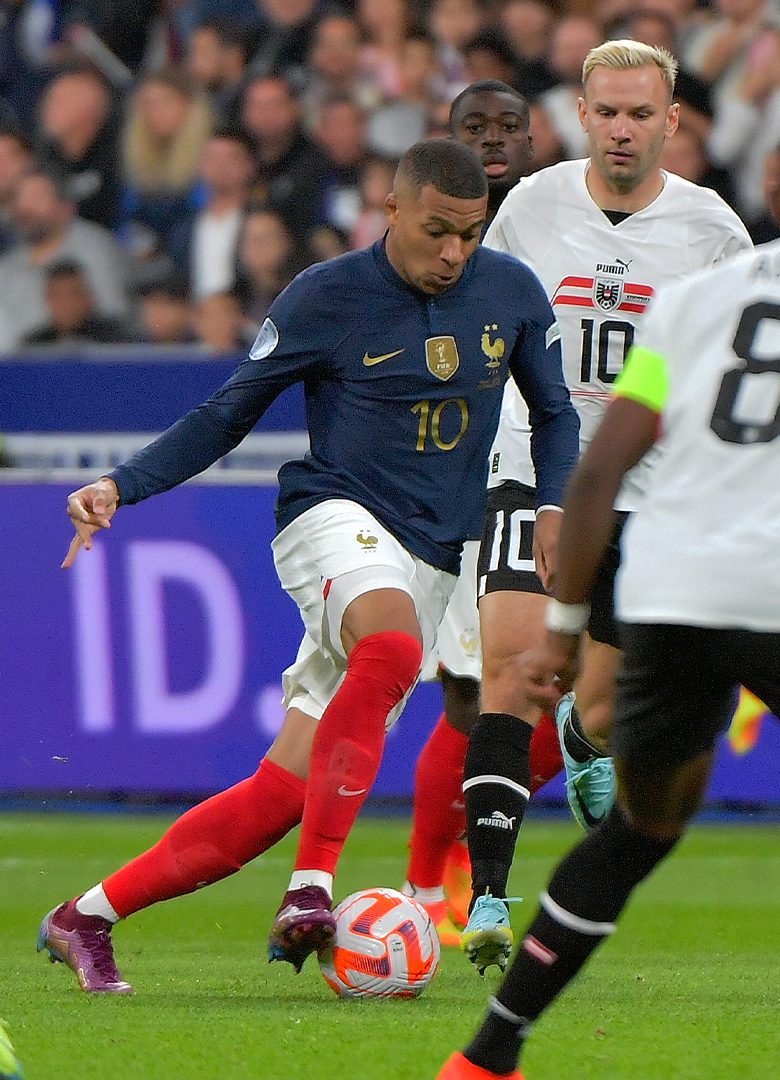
{"points": [[211, 841], [545, 754], [347, 747], [438, 814]]}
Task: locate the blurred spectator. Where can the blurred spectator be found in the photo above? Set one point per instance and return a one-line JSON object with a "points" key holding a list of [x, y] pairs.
{"points": [[27, 32], [220, 326], [43, 216], [767, 227], [721, 49], [328, 242], [79, 136], [205, 245], [268, 259], [685, 154], [334, 67], [73, 317], [656, 27], [341, 135], [528, 26], [217, 55], [375, 186], [489, 56], [422, 81], [746, 126], [573, 37], [385, 24], [283, 35], [291, 168], [15, 159], [168, 124], [547, 146], [125, 28], [165, 315]]}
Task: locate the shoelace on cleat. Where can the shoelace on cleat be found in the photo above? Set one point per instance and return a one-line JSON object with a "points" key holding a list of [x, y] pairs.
{"points": [[101, 951]]}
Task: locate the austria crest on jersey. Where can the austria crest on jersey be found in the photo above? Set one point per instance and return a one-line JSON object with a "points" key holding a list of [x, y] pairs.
{"points": [[607, 292]]}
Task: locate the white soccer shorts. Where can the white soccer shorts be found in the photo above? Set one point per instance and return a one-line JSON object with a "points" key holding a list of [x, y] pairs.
{"points": [[312, 556], [458, 649]]}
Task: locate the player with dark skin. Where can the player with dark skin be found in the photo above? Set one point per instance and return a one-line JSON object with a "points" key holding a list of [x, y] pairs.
{"points": [[493, 119], [367, 632], [494, 123]]}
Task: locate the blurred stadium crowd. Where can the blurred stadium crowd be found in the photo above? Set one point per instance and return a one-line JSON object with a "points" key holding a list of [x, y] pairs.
{"points": [[167, 166]]}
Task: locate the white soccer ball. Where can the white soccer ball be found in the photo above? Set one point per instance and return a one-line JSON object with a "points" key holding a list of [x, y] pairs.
{"points": [[385, 946]]}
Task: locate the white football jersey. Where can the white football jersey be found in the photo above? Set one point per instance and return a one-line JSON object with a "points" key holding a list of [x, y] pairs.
{"points": [[703, 549], [600, 278]]}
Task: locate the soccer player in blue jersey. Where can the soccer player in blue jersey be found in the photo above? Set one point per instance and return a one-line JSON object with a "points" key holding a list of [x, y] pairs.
{"points": [[403, 349]]}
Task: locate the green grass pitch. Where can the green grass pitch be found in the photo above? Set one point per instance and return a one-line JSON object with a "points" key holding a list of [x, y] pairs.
{"points": [[687, 989]]}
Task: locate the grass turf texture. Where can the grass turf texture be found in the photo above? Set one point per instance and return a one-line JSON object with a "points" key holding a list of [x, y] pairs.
{"points": [[686, 989]]}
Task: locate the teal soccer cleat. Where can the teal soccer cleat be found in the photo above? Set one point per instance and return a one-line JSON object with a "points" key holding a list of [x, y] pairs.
{"points": [[590, 785], [487, 937], [10, 1069]]}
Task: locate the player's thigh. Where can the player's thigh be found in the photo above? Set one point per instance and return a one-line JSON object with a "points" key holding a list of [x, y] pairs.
{"points": [[595, 686], [332, 555], [510, 624]]}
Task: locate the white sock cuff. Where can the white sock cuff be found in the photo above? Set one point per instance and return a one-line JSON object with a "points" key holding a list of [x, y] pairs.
{"points": [[301, 878], [95, 902]]}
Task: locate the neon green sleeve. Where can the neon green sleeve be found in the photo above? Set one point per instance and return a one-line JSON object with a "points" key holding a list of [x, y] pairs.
{"points": [[644, 378]]}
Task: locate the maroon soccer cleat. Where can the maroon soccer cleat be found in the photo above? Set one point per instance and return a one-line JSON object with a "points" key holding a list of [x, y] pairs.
{"points": [[304, 924], [83, 942]]}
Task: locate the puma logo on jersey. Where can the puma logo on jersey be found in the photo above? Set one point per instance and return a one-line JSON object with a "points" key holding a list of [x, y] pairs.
{"points": [[497, 820], [369, 361]]}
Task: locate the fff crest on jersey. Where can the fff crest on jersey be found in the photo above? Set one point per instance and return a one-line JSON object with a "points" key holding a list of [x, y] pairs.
{"points": [[607, 292], [441, 356], [492, 346]]}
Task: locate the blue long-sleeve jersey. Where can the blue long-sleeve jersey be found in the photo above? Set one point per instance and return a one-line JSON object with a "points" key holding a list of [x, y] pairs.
{"points": [[403, 392]]}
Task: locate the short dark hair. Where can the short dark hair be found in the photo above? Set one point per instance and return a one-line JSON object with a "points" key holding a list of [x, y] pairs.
{"points": [[453, 169], [489, 86], [65, 268], [492, 40], [237, 134]]}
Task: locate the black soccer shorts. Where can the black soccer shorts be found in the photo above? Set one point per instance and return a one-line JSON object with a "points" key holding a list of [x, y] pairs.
{"points": [[676, 687], [506, 556]]}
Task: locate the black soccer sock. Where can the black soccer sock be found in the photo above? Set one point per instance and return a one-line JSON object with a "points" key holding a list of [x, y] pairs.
{"points": [[587, 892], [496, 783], [576, 742]]}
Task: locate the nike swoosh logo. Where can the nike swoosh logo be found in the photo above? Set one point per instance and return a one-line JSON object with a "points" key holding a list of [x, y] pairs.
{"points": [[345, 791], [590, 820], [369, 361]]}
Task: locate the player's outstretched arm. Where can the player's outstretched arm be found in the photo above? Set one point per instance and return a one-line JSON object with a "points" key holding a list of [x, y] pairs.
{"points": [[90, 509]]}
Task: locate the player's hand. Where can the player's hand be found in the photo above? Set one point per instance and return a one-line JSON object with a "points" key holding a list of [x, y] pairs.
{"points": [[547, 529], [90, 508], [549, 670]]}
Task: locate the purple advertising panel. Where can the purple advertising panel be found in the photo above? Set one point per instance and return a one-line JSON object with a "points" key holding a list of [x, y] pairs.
{"points": [[153, 665]]}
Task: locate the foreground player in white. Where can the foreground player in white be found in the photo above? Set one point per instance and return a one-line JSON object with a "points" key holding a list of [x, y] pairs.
{"points": [[602, 234], [697, 599]]}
